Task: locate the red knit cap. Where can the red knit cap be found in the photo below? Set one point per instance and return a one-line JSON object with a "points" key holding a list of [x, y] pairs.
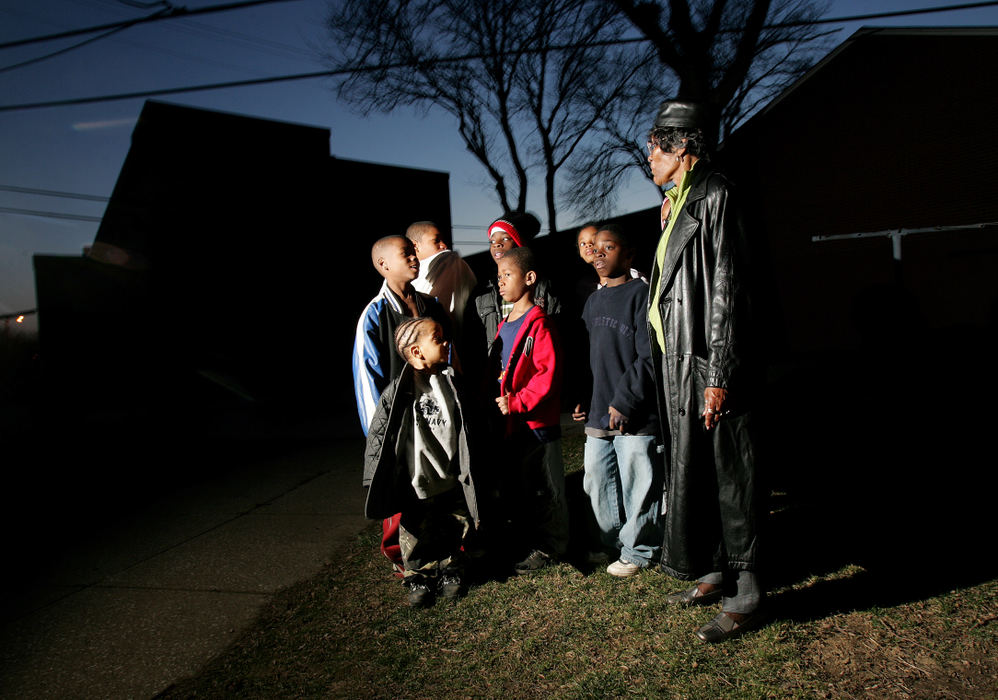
{"points": [[507, 228], [520, 226]]}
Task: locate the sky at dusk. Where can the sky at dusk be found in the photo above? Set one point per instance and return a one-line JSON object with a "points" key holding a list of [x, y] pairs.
{"points": [[80, 149]]}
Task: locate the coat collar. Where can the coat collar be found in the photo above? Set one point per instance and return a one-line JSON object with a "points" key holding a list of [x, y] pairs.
{"points": [[687, 225]]}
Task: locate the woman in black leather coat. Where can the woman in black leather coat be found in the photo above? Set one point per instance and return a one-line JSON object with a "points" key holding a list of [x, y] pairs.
{"points": [[699, 306]]}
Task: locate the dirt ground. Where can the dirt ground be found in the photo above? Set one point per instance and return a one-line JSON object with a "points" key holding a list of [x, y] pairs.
{"points": [[928, 649]]}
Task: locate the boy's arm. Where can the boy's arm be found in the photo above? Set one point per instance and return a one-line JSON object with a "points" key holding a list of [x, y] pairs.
{"points": [[544, 356], [368, 372], [634, 388]]}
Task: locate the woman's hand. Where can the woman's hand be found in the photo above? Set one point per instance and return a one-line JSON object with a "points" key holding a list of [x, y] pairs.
{"points": [[503, 403], [714, 399], [578, 414]]}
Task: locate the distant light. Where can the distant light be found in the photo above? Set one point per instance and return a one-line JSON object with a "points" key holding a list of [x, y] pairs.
{"points": [[20, 319]]}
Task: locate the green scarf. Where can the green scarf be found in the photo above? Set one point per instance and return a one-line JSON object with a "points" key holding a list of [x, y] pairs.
{"points": [[676, 195]]}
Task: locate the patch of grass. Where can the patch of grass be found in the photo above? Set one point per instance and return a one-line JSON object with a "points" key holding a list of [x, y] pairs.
{"points": [[573, 444], [348, 633]]}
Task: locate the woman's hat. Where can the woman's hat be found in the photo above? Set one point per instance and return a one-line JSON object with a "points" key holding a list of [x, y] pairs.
{"points": [[683, 114]]}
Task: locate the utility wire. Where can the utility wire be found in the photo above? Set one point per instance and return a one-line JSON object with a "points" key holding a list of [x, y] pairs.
{"points": [[414, 64], [39, 59], [171, 13], [26, 312], [259, 43], [97, 198], [884, 15], [53, 193], [184, 12], [49, 214]]}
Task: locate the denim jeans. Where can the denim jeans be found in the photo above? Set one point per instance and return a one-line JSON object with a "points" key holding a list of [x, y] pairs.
{"points": [[623, 479]]}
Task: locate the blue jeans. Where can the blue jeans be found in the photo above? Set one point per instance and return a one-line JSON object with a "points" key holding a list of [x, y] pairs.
{"points": [[623, 480]]}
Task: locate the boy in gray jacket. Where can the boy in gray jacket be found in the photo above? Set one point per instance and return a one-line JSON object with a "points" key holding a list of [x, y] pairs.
{"points": [[417, 464]]}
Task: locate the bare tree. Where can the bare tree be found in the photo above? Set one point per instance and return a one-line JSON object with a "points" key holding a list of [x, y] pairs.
{"points": [[566, 85], [400, 52], [519, 76], [614, 150], [730, 54], [540, 84]]}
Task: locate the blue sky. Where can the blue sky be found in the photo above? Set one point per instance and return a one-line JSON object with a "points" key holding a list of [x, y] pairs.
{"points": [[81, 149]]}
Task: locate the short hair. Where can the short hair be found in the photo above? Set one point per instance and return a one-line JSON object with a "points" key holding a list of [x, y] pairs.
{"points": [[379, 246], [523, 258], [618, 232], [583, 227], [418, 229], [669, 138], [409, 333]]}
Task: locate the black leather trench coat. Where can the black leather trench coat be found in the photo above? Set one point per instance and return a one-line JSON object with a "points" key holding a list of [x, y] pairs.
{"points": [[710, 487]]}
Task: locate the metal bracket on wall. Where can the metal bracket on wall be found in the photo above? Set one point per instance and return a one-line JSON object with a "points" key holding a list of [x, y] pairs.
{"points": [[896, 235]]}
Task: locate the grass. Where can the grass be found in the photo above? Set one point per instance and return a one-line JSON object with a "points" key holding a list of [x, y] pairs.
{"points": [[576, 633]]}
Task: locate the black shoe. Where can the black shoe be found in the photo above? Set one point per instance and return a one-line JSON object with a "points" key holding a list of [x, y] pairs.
{"points": [[535, 561], [723, 626], [420, 595], [693, 596], [450, 586]]}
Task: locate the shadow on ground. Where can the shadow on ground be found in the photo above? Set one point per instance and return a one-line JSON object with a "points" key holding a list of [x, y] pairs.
{"points": [[882, 458]]}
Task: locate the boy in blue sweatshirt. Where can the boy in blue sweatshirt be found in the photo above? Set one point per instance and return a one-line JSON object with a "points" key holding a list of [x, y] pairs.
{"points": [[623, 472]]}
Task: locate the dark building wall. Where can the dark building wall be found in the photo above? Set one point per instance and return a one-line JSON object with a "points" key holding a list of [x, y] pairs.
{"points": [[893, 131], [252, 250]]}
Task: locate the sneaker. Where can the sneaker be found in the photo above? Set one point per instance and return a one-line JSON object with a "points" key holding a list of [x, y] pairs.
{"points": [[535, 561], [450, 586], [622, 568], [420, 595]]}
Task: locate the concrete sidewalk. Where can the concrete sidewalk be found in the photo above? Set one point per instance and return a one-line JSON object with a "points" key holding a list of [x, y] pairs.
{"points": [[149, 597]]}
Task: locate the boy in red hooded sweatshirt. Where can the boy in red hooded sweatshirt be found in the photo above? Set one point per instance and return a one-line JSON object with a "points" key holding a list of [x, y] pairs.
{"points": [[530, 398]]}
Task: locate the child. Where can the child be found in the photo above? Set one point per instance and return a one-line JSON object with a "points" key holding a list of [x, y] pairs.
{"points": [[488, 307], [417, 464], [375, 362], [443, 273], [623, 473], [530, 398], [586, 241]]}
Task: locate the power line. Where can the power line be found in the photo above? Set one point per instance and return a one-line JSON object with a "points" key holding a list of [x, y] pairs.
{"points": [[49, 214], [144, 46], [885, 15], [39, 59], [26, 312], [257, 43], [53, 193], [413, 64], [171, 13]]}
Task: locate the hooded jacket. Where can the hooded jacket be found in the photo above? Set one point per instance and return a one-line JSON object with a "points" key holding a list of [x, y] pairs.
{"points": [[375, 361], [385, 476], [532, 379]]}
